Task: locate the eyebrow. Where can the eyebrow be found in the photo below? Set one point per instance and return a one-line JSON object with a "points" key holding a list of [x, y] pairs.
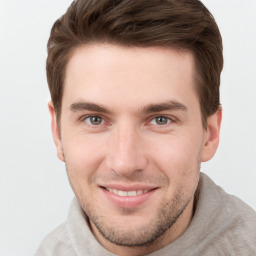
{"points": [[171, 105], [80, 106], [151, 108]]}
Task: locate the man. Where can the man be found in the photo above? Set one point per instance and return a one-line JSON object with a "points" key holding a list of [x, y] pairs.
{"points": [[135, 110]]}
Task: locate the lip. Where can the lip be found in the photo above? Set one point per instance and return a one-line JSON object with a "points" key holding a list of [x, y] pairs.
{"points": [[128, 201]]}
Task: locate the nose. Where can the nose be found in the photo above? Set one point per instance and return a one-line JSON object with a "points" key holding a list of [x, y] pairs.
{"points": [[126, 153]]}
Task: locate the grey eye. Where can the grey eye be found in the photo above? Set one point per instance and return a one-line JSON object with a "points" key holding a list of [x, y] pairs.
{"points": [[94, 120], [161, 120]]}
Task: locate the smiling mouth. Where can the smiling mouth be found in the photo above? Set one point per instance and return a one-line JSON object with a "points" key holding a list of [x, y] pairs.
{"points": [[127, 193]]}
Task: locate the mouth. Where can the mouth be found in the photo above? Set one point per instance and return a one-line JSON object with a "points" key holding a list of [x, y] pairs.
{"points": [[125, 197]]}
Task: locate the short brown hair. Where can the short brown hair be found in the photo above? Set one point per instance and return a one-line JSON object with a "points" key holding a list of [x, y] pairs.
{"points": [[180, 24]]}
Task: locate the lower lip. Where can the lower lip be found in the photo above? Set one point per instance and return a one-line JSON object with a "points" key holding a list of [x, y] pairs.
{"points": [[128, 201]]}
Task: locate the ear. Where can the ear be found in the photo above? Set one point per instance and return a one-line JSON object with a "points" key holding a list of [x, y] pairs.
{"points": [[56, 132], [212, 134]]}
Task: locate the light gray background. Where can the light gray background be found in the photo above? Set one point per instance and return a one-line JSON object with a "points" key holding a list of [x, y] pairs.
{"points": [[34, 191]]}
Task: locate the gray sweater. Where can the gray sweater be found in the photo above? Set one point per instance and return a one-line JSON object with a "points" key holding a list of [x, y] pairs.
{"points": [[222, 225]]}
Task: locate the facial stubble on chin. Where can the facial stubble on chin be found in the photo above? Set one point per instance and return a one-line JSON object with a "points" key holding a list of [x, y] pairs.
{"points": [[142, 236]]}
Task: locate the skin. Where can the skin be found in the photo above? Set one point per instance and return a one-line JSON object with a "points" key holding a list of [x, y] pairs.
{"points": [[131, 119]]}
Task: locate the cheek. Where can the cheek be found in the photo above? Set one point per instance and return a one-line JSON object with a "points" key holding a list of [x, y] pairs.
{"points": [[83, 154], [177, 156], [180, 163]]}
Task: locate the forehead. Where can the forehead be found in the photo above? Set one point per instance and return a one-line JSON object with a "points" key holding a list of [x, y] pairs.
{"points": [[106, 72]]}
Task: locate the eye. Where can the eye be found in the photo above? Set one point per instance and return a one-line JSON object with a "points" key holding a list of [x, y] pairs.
{"points": [[94, 120], [160, 120]]}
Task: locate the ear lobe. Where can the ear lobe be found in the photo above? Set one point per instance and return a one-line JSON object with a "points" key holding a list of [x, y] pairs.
{"points": [[56, 132], [212, 135]]}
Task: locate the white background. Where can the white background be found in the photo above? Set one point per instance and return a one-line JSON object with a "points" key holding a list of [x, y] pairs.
{"points": [[34, 191]]}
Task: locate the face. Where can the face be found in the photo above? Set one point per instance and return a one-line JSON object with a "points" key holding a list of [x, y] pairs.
{"points": [[132, 140]]}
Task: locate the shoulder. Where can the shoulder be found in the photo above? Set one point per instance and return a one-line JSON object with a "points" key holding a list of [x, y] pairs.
{"points": [[56, 243], [232, 223]]}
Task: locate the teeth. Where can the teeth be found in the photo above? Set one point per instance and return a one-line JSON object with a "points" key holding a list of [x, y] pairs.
{"points": [[139, 192], [127, 193], [131, 193], [122, 193]]}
